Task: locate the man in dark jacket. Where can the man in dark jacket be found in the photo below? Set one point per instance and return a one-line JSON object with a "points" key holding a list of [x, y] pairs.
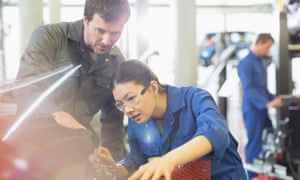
{"points": [[58, 134]]}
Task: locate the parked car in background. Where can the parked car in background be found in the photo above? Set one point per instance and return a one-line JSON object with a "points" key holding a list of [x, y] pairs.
{"points": [[214, 43]]}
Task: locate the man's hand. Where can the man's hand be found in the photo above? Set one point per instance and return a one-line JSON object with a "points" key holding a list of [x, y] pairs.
{"points": [[276, 102], [67, 120]]}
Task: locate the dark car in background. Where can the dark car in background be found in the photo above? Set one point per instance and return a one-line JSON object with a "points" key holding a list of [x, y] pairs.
{"points": [[216, 42]]}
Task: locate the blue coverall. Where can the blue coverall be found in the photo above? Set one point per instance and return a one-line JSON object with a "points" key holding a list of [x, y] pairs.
{"points": [[190, 112], [252, 73]]}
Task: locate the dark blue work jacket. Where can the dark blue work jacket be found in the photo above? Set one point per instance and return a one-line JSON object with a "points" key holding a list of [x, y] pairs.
{"points": [[252, 73], [190, 112]]}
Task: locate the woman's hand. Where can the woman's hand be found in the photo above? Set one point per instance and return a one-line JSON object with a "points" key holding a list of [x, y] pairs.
{"points": [[154, 170], [102, 159], [67, 120]]}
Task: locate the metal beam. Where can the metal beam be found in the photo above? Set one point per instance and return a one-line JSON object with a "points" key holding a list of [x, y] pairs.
{"points": [[233, 9], [2, 60]]}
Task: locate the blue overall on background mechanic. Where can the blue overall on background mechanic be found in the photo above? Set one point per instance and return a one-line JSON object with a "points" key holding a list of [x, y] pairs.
{"points": [[256, 96]]}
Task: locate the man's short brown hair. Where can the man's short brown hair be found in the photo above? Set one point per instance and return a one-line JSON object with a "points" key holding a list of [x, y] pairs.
{"points": [[109, 10], [263, 38]]}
